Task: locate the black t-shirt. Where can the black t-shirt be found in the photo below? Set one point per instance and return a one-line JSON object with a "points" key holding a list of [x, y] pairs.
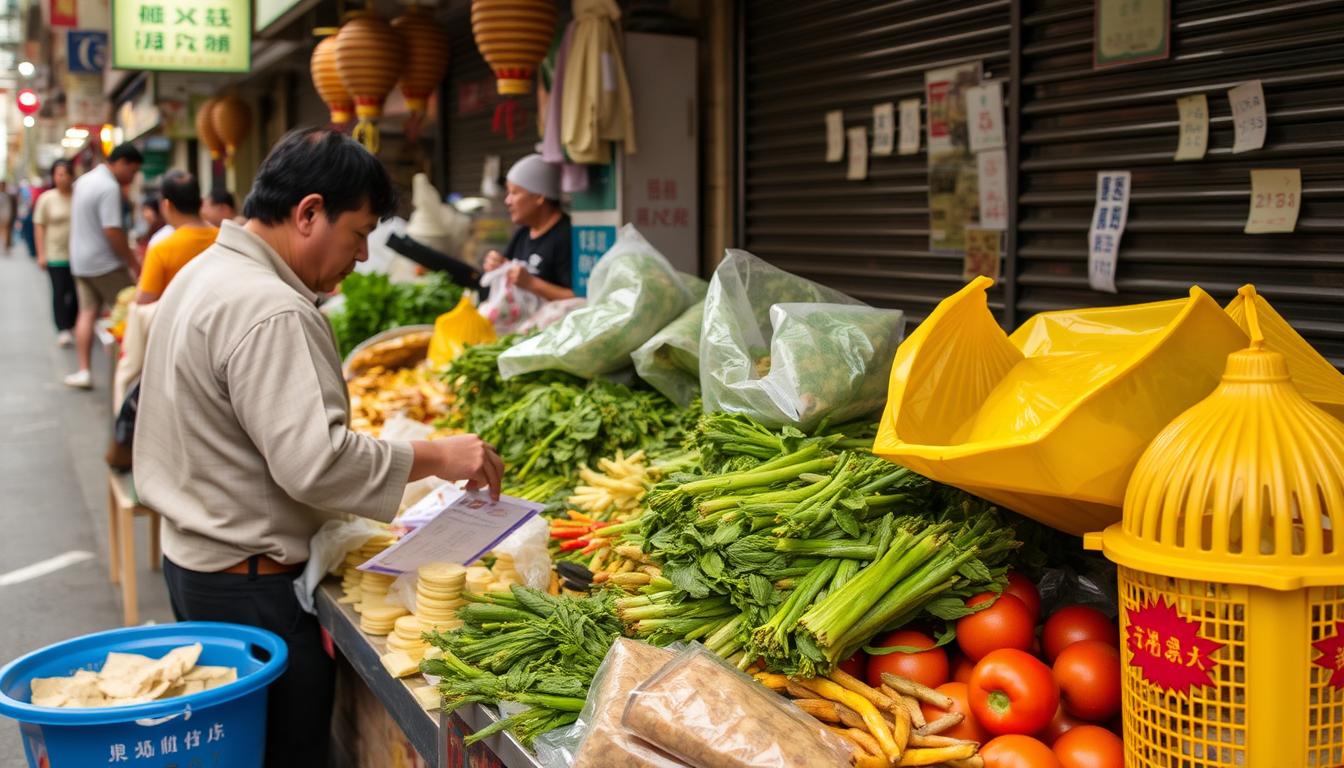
{"points": [[549, 256]]}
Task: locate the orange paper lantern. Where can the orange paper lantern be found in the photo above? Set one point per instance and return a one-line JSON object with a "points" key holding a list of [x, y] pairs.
{"points": [[205, 129], [426, 56], [513, 37], [369, 60], [232, 119], [327, 80]]}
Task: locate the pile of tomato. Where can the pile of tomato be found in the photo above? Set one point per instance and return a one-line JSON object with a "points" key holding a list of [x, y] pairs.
{"points": [[1047, 699]]}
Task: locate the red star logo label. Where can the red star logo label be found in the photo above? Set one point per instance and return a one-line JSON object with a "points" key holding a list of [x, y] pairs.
{"points": [[1332, 655], [1167, 648]]}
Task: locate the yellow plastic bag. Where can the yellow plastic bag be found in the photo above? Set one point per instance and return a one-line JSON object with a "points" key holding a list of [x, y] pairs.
{"points": [[1049, 421], [456, 329], [1314, 376]]}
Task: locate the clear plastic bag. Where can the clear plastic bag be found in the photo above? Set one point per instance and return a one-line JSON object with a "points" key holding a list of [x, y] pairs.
{"points": [[507, 307], [708, 714], [633, 293], [528, 547], [789, 352], [670, 361]]}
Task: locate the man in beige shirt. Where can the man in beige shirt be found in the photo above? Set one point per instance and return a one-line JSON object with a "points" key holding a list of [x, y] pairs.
{"points": [[241, 439]]}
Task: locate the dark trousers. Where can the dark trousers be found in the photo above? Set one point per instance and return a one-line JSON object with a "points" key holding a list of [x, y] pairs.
{"points": [[298, 708], [64, 302]]}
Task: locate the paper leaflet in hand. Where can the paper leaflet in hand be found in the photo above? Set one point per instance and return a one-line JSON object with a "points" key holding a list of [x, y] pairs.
{"points": [[467, 526]]}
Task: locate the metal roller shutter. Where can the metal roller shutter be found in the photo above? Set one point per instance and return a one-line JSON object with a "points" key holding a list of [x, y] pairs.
{"points": [[867, 238], [1185, 219]]}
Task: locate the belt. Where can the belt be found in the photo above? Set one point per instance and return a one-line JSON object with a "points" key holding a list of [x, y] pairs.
{"points": [[261, 565]]}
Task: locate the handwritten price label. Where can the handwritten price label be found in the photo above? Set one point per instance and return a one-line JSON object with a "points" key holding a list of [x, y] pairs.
{"points": [[1194, 140], [910, 127], [992, 166], [1249, 120], [835, 136], [884, 129], [858, 153], [1276, 198], [984, 108]]}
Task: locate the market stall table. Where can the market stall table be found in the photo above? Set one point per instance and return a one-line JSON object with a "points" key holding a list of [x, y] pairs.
{"points": [[436, 736]]}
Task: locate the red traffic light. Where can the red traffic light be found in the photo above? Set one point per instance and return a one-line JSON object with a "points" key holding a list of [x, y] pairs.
{"points": [[28, 101]]}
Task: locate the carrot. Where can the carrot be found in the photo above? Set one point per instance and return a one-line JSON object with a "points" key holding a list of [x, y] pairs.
{"points": [[871, 717], [772, 681], [910, 706], [900, 730], [917, 757], [843, 678], [918, 739], [865, 740], [821, 709], [570, 546]]}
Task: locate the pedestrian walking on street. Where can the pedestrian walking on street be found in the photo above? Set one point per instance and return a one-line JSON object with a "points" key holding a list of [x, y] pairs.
{"points": [[51, 223], [101, 258]]}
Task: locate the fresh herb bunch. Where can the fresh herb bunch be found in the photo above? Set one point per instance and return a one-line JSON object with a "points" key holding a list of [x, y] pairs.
{"points": [[374, 304]]}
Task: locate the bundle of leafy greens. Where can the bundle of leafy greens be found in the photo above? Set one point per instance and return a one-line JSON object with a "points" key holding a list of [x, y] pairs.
{"points": [[374, 304]]}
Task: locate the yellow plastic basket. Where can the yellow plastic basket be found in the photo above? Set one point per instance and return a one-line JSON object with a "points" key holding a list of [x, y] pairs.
{"points": [[1231, 571], [457, 329], [1317, 380], [1050, 421]]}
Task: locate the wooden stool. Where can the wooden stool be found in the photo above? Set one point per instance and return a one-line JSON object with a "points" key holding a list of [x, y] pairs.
{"points": [[123, 505]]}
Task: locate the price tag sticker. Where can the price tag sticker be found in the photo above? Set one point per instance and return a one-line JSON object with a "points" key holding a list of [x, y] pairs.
{"points": [[910, 127], [1249, 120], [835, 136], [884, 129], [1276, 198], [984, 116], [858, 153], [1194, 139]]}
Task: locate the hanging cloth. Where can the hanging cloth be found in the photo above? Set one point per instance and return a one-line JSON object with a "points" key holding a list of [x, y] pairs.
{"points": [[596, 108]]}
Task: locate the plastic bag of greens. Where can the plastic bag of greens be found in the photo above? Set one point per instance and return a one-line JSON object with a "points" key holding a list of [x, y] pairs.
{"points": [[632, 294], [670, 361], [787, 351]]}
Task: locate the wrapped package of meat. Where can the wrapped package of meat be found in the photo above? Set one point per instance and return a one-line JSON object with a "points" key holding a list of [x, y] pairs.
{"points": [[606, 743]]}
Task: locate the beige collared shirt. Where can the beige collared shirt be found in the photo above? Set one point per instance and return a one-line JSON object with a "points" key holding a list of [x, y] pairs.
{"points": [[241, 440]]}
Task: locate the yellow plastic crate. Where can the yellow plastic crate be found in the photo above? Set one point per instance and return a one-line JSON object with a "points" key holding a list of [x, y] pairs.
{"points": [[1231, 555]]}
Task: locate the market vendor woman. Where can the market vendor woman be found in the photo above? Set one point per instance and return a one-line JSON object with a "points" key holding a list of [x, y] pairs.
{"points": [[540, 250], [241, 441]]}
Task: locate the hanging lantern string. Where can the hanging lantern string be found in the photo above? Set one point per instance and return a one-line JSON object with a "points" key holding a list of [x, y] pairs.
{"points": [[366, 133], [506, 115]]}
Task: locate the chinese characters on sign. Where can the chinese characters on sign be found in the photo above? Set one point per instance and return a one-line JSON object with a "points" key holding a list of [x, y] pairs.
{"points": [[1107, 227], [992, 168], [910, 127], [1249, 120], [588, 243], [983, 251], [1130, 31], [858, 153], [163, 746], [663, 210], [835, 136], [884, 129], [1276, 198], [1194, 139], [954, 199], [1168, 649], [1332, 655], [984, 110], [182, 35]]}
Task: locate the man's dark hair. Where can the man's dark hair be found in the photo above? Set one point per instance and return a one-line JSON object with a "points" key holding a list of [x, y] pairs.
{"points": [[222, 196], [126, 152], [150, 201], [180, 188], [324, 162], [62, 163]]}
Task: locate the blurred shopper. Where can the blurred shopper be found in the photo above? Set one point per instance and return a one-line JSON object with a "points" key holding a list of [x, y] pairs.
{"points": [[188, 235], [219, 207], [541, 245], [155, 226], [242, 441], [100, 253], [9, 210], [51, 224]]}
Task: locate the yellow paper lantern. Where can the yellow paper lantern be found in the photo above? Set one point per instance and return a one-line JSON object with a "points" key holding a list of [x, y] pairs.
{"points": [[326, 78], [232, 119], [426, 56], [369, 60], [513, 37], [205, 129]]}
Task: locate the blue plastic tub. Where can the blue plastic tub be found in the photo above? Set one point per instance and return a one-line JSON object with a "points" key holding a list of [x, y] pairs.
{"points": [[224, 727]]}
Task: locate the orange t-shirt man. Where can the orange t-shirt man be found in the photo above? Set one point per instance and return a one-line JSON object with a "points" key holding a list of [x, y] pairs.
{"points": [[165, 258]]}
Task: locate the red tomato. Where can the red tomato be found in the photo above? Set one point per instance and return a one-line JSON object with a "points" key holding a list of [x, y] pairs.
{"points": [[1013, 692], [1062, 724], [1073, 623], [962, 668], [926, 667], [1016, 751], [1090, 746], [856, 665], [1023, 589], [1007, 623], [1088, 674], [969, 728]]}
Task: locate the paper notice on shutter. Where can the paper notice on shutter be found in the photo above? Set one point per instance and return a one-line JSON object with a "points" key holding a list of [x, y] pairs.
{"points": [[1109, 217], [984, 111], [858, 153], [835, 136], [992, 165], [984, 248], [1276, 199], [910, 127], [1194, 138], [1249, 120], [884, 129]]}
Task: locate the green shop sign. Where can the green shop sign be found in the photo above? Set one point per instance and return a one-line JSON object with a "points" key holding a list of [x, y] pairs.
{"points": [[182, 35]]}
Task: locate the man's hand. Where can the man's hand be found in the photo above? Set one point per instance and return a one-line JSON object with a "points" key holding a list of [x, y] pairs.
{"points": [[493, 260], [468, 457], [520, 277]]}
